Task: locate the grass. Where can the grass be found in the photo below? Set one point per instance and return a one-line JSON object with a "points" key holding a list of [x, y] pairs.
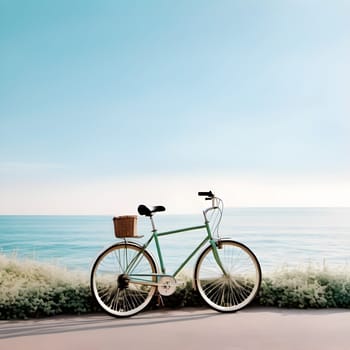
{"points": [[30, 289]]}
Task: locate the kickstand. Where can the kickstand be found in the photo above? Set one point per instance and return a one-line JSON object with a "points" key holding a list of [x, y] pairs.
{"points": [[160, 302]]}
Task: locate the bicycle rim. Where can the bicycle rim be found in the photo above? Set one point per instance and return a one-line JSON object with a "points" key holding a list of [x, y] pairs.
{"points": [[111, 279], [239, 285]]}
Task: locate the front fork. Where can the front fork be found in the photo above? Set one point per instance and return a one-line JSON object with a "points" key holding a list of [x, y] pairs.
{"points": [[216, 245]]}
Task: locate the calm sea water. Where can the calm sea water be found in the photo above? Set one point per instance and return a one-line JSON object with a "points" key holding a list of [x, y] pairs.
{"points": [[278, 236]]}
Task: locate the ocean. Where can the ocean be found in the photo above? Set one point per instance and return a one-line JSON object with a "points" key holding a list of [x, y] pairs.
{"points": [[292, 237]]}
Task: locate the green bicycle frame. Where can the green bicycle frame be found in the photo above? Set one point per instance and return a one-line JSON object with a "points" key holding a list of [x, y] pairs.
{"points": [[155, 235]]}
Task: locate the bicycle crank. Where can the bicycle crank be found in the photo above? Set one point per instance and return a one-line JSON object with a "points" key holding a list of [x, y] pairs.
{"points": [[167, 285]]}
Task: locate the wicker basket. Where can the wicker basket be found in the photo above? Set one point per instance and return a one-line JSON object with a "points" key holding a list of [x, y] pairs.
{"points": [[125, 226]]}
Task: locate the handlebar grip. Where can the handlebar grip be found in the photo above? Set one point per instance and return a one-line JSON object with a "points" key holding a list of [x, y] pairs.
{"points": [[209, 194]]}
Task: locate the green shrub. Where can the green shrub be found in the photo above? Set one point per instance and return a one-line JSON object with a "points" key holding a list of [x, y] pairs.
{"points": [[310, 287], [29, 289], [184, 297]]}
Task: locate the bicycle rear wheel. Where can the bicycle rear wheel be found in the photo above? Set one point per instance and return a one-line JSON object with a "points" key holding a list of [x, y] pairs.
{"points": [[235, 287], [114, 284]]}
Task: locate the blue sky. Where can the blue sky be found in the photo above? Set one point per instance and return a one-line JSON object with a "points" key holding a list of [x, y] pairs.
{"points": [[105, 104]]}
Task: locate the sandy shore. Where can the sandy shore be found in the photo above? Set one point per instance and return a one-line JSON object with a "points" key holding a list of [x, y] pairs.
{"points": [[252, 328]]}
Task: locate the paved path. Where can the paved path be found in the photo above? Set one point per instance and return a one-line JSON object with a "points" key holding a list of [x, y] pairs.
{"points": [[252, 328]]}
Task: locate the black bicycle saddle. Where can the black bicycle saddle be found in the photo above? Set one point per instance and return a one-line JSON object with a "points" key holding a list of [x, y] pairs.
{"points": [[143, 210]]}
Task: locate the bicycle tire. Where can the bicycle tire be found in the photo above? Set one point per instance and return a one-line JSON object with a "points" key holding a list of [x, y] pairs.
{"points": [[236, 289], [110, 279]]}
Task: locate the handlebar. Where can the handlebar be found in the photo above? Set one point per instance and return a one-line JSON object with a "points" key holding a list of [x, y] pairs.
{"points": [[209, 195], [215, 211]]}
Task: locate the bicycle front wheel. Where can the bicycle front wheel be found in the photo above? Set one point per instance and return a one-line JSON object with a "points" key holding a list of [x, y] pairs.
{"points": [[234, 284], [119, 279]]}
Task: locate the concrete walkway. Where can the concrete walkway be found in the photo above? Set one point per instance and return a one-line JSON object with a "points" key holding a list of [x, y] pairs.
{"points": [[252, 328]]}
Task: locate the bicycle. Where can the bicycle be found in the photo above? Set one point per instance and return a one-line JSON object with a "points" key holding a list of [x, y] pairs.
{"points": [[125, 276]]}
